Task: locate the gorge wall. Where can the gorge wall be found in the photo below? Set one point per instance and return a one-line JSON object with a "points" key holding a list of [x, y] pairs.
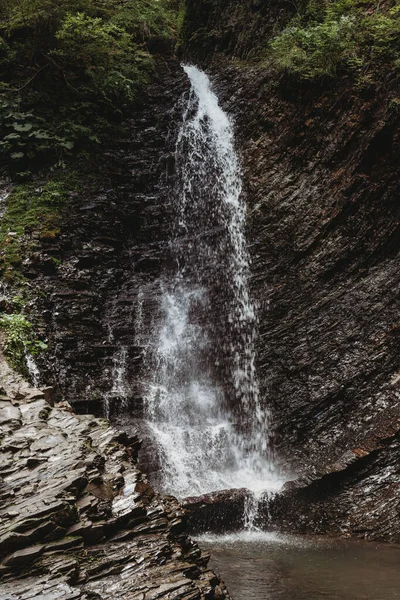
{"points": [[320, 163], [111, 248]]}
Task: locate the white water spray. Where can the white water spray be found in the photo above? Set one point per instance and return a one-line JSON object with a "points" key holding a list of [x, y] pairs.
{"points": [[203, 403], [33, 369]]}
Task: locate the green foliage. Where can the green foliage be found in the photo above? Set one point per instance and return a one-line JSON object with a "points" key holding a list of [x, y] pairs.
{"points": [[335, 35], [181, 15], [101, 58], [27, 137], [19, 340], [147, 18], [69, 70], [33, 214], [394, 105], [317, 50]]}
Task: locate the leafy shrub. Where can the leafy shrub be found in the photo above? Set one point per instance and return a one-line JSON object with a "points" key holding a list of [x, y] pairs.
{"points": [[27, 136], [318, 49], [70, 69], [19, 340], [384, 33], [147, 18], [338, 35], [100, 57]]}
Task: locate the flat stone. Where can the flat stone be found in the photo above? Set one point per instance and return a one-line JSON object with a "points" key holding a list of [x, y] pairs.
{"points": [[37, 410], [9, 413], [22, 557], [64, 544], [12, 541], [218, 511], [81, 529], [34, 395], [48, 394]]}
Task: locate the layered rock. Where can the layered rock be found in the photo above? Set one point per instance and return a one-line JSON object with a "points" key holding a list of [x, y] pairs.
{"points": [[79, 520], [320, 168], [217, 512], [111, 249], [359, 496]]}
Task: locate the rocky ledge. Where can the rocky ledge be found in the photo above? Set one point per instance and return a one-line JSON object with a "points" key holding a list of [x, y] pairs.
{"points": [[218, 512], [78, 520]]}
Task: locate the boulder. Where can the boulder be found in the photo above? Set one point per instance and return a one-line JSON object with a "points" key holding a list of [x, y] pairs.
{"points": [[218, 512]]}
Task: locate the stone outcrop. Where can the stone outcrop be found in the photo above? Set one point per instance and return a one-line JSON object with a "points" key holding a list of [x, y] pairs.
{"points": [[320, 168], [360, 496], [217, 512], [77, 517], [238, 29]]}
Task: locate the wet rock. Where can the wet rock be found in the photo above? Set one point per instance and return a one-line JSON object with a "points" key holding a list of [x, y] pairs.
{"points": [[216, 512], [320, 163], [362, 498], [112, 246], [73, 526], [64, 544], [48, 394], [11, 541], [23, 557]]}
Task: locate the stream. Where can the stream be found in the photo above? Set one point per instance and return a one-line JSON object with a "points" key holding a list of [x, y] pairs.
{"points": [[278, 567]]}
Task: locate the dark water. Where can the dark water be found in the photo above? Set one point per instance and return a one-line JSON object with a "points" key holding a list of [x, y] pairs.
{"points": [[271, 567]]}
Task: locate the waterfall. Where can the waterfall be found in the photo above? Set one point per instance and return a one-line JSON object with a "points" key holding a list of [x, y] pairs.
{"points": [[203, 402]]}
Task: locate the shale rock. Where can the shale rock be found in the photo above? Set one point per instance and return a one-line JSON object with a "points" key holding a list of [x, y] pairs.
{"points": [[79, 520], [113, 243], [216, 512]]}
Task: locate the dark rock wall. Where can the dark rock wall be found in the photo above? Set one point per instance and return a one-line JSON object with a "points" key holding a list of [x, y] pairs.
{"points": [[322, 187], [239, 29], [320, 166], [361, 498], [112, 248]]}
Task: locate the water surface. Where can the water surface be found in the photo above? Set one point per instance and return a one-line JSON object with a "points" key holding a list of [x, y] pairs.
{"points": [[276, 567]]}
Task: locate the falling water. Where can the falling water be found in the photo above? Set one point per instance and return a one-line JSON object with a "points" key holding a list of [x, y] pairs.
{"points": [[203, 404], [33, 369], [118, 376]]}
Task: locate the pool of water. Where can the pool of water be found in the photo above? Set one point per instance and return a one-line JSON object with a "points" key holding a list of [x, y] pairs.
{"points": [[277, 567]]}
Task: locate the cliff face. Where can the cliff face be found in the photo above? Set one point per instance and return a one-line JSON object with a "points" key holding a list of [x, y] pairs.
{"points": [[237, 29], [320, 165], [79, 518], [112, 245]]}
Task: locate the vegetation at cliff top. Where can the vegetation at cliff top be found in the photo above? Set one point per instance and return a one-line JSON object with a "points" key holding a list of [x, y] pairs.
{"points": [[326, 37], [71, 69]]}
